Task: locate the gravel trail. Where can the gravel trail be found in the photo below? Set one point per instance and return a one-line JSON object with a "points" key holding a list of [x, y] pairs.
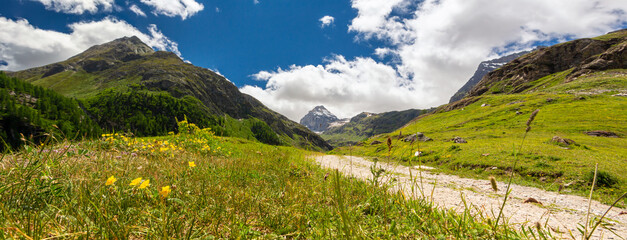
{"points": [[562, 213]]}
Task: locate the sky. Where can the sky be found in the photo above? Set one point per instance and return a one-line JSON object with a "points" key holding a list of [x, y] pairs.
{"points": [[351, 56]]}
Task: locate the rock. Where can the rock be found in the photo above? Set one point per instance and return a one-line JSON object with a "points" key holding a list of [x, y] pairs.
{"points": [[485, 105], [620, 95], [599, 133], [485, 154], [622, 213], [566, 141], [532, 200], [458, 140], [375, 142], [550, 100], [518, 113], [483, 69], [542, 179], [417, 136]]}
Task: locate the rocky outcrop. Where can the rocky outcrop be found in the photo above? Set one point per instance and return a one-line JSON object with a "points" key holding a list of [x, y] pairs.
{"points": [[483, 69], [582, 56], [459, 140], [417, 136], [600, 133], [563, 141]]}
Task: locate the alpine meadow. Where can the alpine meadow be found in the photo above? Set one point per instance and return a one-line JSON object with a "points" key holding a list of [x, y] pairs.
{"points": [[353, 119]]}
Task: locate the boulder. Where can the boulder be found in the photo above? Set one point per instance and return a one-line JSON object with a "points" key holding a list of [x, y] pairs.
{"points": [[417, 136], [375, 142], [458, 140], [565, 141], [600, 133]]}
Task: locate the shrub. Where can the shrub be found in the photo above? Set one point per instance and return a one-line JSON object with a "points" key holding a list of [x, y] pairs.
{"points": [[604, 179]]}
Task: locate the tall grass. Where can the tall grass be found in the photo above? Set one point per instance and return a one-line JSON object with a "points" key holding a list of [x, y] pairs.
{"points": [[234, 189]]}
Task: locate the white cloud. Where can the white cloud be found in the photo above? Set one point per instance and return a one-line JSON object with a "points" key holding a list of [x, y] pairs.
{"points": [[345, 87], [172, 8], [326, 21], [435, 47], [134, 8], [22, 45], [78, 6], [255, 2]]}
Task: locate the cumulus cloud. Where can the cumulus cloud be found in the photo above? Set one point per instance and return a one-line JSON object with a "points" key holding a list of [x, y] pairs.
{"points": [[326, 21], [255, 2], [345, 87], [434, 46], [78, 6], [23, 45], [172, 8], [134, 8]]}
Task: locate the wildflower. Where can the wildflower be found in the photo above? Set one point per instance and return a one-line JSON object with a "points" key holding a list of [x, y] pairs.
{"points": [[135, 181], [191, 164], [110, 181], [165, 191], [145, 184]]}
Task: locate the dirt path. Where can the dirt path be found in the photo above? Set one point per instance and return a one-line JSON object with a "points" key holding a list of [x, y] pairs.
{"points": [[561, 212]]}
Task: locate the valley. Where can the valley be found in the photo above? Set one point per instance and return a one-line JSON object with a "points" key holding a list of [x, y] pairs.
{"points": [[125, 142]]}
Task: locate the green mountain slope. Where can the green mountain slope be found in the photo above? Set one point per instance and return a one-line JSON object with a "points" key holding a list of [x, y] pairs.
{"points": [[576, 101], [366, 125], [32, 113], [128, 65]]}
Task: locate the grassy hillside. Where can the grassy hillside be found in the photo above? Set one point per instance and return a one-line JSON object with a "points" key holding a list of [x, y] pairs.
{"points": [[194, 185], [34, 114], [367, 125], [128, 66], [495, 130]]}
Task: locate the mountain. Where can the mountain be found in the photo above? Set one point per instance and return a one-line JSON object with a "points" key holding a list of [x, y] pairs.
{"points": [[127, 70], [320, 119], [561, 64], [578, 92], [366, 125], [483, 69]]}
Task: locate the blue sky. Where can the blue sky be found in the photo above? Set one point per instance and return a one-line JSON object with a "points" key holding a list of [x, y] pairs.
{"points": [[236, 38], [370, 55]]}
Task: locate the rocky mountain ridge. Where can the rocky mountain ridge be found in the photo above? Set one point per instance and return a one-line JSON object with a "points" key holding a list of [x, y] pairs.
{"points": [[578, 57], [484, 68]]}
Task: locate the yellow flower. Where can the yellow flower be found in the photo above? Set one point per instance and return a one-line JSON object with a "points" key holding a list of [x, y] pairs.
{"points": [[110, 181], [165, 191], [135, 181], [145, 184], [191, 164]]}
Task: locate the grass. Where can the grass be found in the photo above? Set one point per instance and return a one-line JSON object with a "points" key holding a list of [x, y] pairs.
{"points": [[493, 130], [81, 85], [204, 187]]}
